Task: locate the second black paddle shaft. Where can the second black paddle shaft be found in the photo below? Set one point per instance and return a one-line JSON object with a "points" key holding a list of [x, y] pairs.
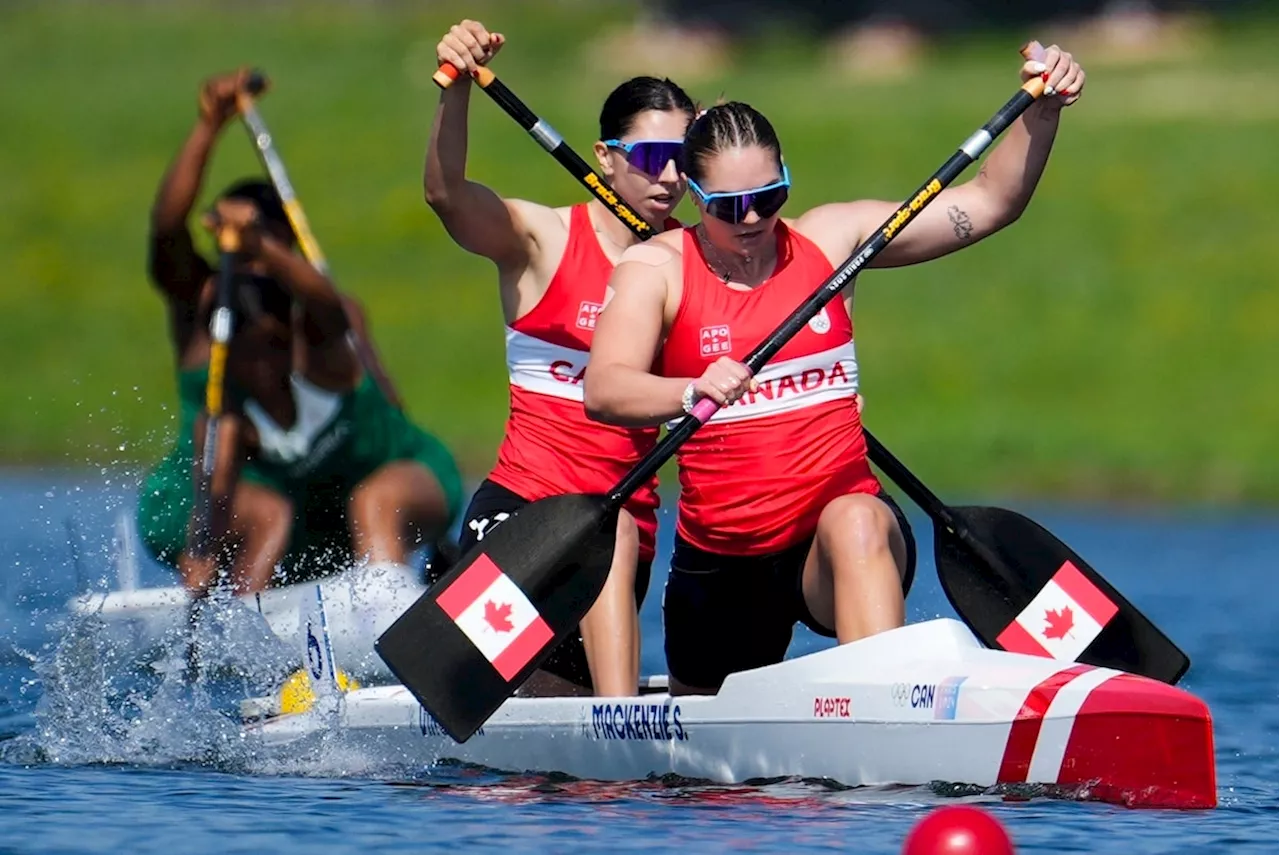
{"points": [[940, 513], [551, 140]]}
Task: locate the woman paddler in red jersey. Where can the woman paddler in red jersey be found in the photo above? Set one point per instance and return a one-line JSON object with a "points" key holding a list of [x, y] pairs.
{"points": [[780, 517], [553, 268]]}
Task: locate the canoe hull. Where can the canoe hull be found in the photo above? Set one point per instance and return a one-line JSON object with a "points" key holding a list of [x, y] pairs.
{"points": [[359, 605], [925, 703]]}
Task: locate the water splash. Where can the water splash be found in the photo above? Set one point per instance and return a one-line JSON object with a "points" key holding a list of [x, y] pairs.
{"points": [[104, 701]]}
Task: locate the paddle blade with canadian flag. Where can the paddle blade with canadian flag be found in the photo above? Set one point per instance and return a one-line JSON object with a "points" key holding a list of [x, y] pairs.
{"points": [[1044, 599], [477, 634]]}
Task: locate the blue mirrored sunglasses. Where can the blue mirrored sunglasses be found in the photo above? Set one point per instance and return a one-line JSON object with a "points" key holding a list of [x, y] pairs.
{"points": [[733, 207], [649, 156]]}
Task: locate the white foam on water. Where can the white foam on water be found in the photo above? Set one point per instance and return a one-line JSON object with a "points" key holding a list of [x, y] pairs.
{"points": [[104, 701]]}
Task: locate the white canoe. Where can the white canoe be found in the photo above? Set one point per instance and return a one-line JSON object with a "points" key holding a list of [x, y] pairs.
{"points": [[359, 603], [922, 704]]}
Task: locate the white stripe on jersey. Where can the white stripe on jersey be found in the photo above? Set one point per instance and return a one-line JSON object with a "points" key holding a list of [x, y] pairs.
{"points": [[796, 383], [545, 368]]}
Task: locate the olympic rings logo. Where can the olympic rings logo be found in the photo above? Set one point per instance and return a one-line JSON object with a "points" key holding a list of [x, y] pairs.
{"points": [[916, 696]]}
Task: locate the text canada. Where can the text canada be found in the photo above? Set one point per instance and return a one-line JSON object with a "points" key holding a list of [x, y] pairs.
{"points": [[808, 380], [567, 372]]}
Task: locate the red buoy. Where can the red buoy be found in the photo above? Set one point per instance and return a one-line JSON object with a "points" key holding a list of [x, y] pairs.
{"points": [[958, 830]]}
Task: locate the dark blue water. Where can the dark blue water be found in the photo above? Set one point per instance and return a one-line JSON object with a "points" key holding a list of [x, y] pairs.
{"points": [[97, 755]]}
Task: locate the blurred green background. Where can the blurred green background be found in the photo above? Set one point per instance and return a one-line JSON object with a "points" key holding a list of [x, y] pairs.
{"points": [[1118, 343]]}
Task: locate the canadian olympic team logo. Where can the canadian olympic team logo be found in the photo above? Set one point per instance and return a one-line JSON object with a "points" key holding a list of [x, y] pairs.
{"points": [[821, 322]]}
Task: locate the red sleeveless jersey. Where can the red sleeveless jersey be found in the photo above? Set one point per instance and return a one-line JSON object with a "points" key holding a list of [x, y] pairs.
{"points": [[755, 478], [550, 446]]}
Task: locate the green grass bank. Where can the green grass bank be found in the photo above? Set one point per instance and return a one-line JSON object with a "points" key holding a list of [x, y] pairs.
{"points": [[1118, 342]]}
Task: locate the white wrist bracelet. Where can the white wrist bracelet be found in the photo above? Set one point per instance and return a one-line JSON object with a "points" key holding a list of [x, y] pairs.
{"points": [[687, 399]]}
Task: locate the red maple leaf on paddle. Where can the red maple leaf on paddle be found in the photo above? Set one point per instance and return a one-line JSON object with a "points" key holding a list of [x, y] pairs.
{"points": [[498, 616], [1058, 623]]}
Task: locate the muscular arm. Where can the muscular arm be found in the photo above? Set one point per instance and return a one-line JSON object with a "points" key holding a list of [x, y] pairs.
{"points": [[960, 215], [331, 355], [325, 312], [476, 218], [174, 265], [619, 387]]}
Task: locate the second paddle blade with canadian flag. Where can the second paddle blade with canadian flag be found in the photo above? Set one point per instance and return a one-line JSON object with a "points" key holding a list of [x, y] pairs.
{"points": [[474, 637], [1045, 600]]}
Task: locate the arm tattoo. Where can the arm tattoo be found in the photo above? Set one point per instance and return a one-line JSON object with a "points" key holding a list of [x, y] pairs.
{"points": [[960, 222]]}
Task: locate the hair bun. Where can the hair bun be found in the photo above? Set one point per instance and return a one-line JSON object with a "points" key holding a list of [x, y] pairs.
{"points": [[637, 95]]}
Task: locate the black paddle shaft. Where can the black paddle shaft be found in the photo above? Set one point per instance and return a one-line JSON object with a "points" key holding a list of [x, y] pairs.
{"points": [[941, 514], [870, 248]]}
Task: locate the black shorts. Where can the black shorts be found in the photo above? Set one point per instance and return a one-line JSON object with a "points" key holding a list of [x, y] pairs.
{"points": [[490, 505], [727, 613]]}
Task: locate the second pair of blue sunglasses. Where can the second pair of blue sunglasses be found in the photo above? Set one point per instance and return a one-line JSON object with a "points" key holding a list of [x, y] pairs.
{"points": [[733, 207]]}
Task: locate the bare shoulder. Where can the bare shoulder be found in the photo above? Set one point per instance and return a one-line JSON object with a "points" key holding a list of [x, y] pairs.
{"points": [[836, 217], [649, 273], [539, 223], [660, 251], [838, 227], [564, 213], [538, 218]]}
